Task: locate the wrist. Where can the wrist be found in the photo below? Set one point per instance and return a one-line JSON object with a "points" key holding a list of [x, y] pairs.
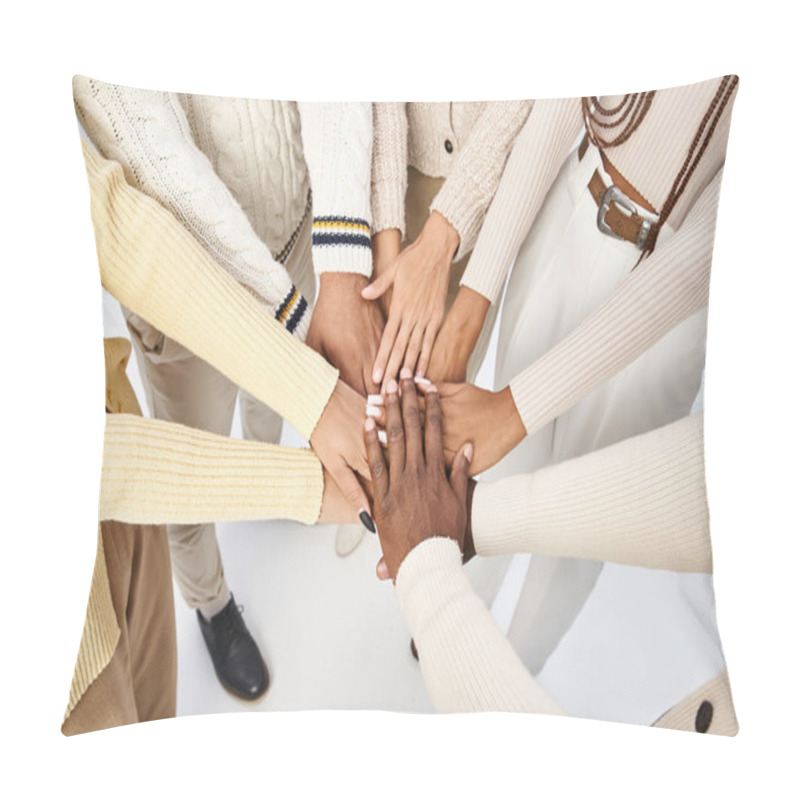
{"points": [[341, 285], [511, 430], [468, 313], [438, 229]]}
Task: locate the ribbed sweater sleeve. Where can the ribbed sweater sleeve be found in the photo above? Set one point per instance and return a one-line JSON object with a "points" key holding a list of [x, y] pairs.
{"points": [[666, 288], [472, 183], [641, 502], [389, 167], [337, 142], [149, 135], [534, 162], [467, 663], [152, 265], [162, 472]]}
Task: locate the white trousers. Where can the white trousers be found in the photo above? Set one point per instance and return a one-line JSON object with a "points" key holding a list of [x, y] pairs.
{"points": [[565, 270]]}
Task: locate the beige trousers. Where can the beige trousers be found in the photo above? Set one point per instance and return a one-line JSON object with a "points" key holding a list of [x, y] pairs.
{"points": [[180, 387]]}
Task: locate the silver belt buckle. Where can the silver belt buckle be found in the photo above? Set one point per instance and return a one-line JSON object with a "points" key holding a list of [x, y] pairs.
{"points": [[614, 195]]}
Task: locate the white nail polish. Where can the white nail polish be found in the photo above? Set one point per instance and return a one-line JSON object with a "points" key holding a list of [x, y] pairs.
{"points": [[423, 381], [374, 399], [382, 437], [373, 412]]}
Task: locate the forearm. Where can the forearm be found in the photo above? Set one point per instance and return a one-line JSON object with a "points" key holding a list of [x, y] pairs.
{"points": [[640, 502], [389, 167], [666, 288], [337, 142], [162, 472], [148, 134], [467, 662], [473, 181], [532, 166], [152, 265]]}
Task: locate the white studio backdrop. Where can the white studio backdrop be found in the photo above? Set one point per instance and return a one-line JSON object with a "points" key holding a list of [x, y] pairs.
{"points": [[53, 378]]}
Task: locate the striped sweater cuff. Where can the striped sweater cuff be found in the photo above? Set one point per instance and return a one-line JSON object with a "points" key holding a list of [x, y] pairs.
{"points": [[291, 313], [342, 244]]}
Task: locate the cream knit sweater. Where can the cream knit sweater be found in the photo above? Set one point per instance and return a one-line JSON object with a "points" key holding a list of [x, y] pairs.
{"points": [[667, 287], [337, 138], [233, 172], [641, 501], [155, 267], [466, 143]]}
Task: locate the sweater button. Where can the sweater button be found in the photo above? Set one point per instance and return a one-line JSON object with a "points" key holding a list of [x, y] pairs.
{"points": [[702, 722], [448, 145]]}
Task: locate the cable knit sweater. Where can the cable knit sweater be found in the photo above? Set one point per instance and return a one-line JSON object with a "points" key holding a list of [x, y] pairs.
{"points": [[338, 143], [667, 287], [154, 266], [466, 143], [233, 172]]}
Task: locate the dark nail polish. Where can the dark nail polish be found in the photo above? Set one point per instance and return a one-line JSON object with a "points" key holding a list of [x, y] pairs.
{"points": [[366, 521]]}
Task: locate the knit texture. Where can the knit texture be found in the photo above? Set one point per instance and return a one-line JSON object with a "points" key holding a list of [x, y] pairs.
{"points": [[467, 663], [337, 139], [256, 146], [156, 471], [466, 143], [641, 502], [666, 288], [650, 161], [152, 265], [100, 632]]}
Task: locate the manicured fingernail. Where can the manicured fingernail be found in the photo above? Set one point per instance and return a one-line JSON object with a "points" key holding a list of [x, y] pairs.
{"points": [[383, 571], [373, 412], [369, 424], [377, 374], [391, 387], [422, 381], [366, 520], [382, 437], [430, 388], [374, 399], [468, 453], [405, 374]]}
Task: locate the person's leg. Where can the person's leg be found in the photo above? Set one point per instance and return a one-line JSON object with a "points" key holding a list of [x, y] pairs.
{"points": [[565, 270], [139, 682], [183, 388], [151, 623], [180, 387]]}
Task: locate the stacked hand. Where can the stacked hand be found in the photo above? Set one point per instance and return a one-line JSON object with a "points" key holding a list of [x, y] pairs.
{"points": [[346, 329], [418, 278], [413, 497]]}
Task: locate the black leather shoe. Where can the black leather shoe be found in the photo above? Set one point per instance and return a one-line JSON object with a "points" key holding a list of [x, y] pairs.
{"points": [[234, 653]]}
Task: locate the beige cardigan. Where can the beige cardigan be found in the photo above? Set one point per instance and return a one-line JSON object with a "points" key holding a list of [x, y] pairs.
{"points": [[466, 143]]}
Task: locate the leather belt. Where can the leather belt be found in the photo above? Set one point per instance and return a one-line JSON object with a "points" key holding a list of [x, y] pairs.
{"points": [[611, 220]]}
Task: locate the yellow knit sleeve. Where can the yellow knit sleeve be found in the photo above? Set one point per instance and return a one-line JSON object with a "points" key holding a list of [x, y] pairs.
{"points": [[162, 472], [152, 265]]}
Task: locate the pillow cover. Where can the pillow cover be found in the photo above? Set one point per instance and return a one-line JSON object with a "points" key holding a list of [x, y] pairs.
{"points": [[294, 257]]}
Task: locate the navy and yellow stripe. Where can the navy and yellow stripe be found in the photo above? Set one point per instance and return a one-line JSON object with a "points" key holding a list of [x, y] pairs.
{"points": [[350, 231], [291, 310]]}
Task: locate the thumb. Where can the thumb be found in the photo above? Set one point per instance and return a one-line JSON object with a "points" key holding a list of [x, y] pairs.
{"points": [[354, 494], [459, 475], [381, 284]]}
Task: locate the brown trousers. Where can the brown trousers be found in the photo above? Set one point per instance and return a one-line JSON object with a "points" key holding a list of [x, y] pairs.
{"points": [[139, 683]]}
